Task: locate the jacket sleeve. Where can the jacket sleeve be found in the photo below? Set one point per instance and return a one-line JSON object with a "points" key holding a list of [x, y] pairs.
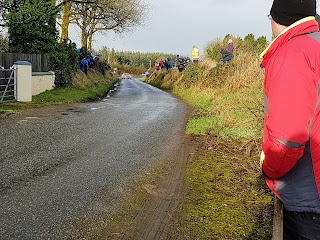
{"points": [[291, 95]]}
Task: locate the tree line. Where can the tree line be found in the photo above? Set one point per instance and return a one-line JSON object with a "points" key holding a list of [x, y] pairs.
{"points": [[136, 59]]}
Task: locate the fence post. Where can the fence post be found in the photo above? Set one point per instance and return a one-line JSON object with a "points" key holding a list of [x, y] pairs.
{"points": [[23, 77], [277, 220]]}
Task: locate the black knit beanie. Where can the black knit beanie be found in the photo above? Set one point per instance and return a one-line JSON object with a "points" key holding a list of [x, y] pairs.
{"points": [[286, 12]]}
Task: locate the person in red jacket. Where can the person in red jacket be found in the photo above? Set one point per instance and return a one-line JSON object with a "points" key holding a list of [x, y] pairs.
{"points": [[290, 157]]}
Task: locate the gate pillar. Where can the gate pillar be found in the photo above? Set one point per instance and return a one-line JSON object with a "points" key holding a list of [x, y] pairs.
{"points": [[23, 77]]}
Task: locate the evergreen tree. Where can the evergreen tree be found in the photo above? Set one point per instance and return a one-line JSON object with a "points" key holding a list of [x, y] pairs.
{"points": [[31, 27]]}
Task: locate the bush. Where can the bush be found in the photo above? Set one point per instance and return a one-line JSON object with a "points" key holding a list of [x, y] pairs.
{"points": [[27, 37], [63, 62], [249, 44], [212, 50]]}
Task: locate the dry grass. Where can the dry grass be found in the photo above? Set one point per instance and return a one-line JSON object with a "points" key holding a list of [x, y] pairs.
{"points": [[207, 65], [245, 70], [79, 79], [170, 79], [135, 71]]}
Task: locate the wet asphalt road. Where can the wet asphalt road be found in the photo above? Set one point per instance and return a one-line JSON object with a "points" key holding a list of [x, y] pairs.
{"points": [[74, 164]]}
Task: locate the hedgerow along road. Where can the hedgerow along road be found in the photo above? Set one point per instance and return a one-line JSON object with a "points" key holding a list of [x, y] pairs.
{"points": [[62, 165]]}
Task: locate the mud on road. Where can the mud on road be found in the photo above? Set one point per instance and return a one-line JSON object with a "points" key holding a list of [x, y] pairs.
{"points": [[150, 206], [153, 208]]}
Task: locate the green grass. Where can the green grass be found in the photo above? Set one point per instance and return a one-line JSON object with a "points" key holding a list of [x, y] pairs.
{"points": [[196, 99], [214, 126], [7, 111], [70, 95], [202, 126], [224, 201], [235, 114]]}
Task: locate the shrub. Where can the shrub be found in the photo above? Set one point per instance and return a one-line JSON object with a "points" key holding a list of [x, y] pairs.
{"points": [[63, 60], [191, 72], [249, 44], [27, 37]]}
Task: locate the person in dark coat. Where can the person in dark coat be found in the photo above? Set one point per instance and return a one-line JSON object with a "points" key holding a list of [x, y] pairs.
{"points": [[84, 65], [226, 56]]}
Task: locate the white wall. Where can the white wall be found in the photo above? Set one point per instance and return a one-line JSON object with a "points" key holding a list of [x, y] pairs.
{"points": [[42, 81]]}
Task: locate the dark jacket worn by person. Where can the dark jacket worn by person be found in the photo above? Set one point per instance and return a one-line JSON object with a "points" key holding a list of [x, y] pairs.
{"points": [[225, 53]]}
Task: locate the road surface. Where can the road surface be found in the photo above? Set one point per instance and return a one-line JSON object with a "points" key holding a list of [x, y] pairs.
{"points": [[59, 165]]}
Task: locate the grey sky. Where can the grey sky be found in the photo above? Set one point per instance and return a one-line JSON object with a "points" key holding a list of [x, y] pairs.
{"points": [[174, 26]]}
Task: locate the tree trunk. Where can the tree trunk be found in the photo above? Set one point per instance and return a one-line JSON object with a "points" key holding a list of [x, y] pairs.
{"points": [[65, 22], [84, 31], [90, 37], [84, 37]]}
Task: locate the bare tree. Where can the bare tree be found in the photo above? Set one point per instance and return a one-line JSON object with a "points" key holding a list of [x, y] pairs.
{"points": [[66, 16], [105, 15]]}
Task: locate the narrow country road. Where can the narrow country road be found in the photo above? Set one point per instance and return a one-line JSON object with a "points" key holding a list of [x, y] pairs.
{"points": [[74, 162]]}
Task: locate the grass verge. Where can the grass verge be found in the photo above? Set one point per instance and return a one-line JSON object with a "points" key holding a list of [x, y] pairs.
{"points": [[225, 197], [225, 194], [88, 90]]}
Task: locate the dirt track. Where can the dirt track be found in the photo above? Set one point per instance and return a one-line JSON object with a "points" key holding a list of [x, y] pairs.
{"points": [[157, 217]]}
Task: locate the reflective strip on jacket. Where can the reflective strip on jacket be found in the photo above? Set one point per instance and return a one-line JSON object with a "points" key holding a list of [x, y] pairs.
{"points": [[291, 121]]}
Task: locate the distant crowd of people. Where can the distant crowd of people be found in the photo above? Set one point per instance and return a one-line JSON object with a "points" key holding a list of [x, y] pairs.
{"points": [[164, 64], [87, 60], [180, 62]]}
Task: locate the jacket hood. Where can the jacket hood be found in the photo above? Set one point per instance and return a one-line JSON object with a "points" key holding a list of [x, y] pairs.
{"points": [[303, 26]]}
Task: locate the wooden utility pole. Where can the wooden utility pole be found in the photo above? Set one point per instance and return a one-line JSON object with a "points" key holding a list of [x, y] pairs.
{"points": [[277, 220]]}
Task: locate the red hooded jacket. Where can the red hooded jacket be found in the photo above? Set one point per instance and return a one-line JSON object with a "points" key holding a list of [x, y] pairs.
{"points": [[292, 122]]}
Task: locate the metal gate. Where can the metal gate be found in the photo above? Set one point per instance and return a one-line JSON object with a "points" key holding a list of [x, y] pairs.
{"points": [[8, 88]]}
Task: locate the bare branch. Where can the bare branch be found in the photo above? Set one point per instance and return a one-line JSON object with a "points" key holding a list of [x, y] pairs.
{"points": [[73, 1]]}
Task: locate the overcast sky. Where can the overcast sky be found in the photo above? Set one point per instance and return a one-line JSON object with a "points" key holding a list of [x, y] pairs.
{"points": [[174, 26]]}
